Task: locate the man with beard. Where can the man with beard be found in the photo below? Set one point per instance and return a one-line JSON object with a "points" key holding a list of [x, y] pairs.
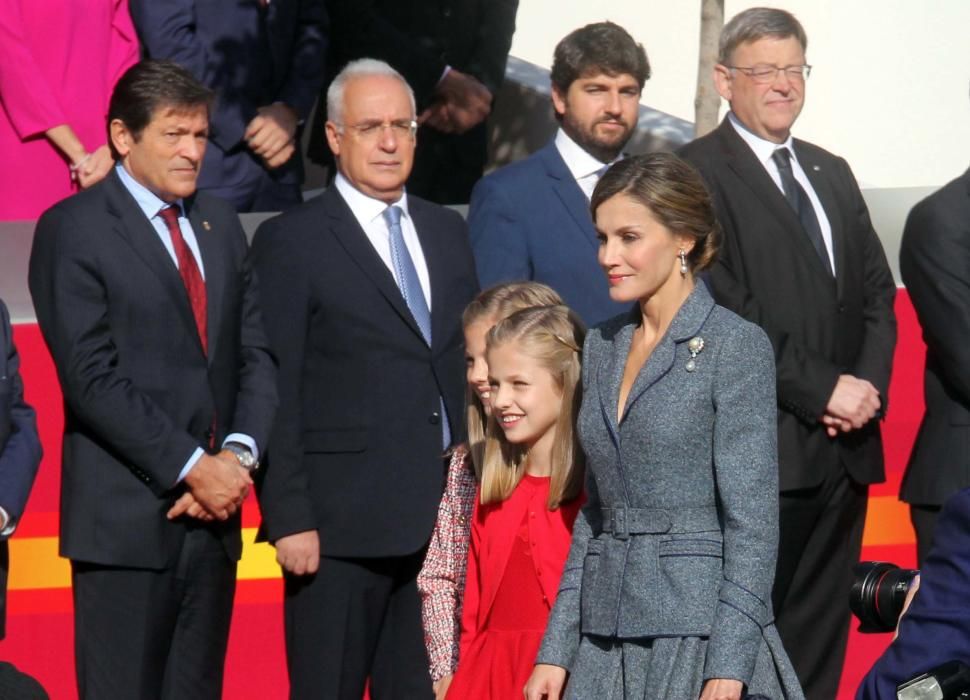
{"points": [[530, 220]]}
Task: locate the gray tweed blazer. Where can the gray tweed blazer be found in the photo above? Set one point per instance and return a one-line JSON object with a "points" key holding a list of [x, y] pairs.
{"points": [[679, 533]]}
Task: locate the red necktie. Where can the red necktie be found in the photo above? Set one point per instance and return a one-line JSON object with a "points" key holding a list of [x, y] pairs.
{"points": [[189, 271]]}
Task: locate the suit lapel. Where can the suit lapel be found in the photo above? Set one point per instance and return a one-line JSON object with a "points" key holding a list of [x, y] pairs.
{"points": [[610, 375], [569, 193], [827, 195], [138, 232], [752, 173], [214, 263], [349, 234]]}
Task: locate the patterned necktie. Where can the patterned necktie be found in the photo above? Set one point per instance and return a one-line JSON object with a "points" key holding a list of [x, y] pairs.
{"points": [[410, 285], [799, 201], [189, 272]]}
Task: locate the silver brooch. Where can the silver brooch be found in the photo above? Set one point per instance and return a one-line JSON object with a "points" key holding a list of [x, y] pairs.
{"points": [[694, 345]]}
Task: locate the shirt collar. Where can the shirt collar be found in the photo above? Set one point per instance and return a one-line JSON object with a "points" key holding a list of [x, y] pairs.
{"points": [[762, 147], [149, 202], [580, 163], [366, 209]]}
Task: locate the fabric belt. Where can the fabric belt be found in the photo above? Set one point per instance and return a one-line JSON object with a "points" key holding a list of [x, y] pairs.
{"points": [[623, 522]]}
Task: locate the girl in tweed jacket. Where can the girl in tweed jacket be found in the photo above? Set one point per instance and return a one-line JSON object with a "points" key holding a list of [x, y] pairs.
{"points": [[442, 578]]}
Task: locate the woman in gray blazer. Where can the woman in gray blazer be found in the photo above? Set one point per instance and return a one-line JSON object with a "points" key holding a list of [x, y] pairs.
{"points": [[666, 592]]}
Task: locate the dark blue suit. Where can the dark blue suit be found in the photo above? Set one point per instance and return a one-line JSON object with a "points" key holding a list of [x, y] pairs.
{"points": [[19, 445], [252, 57], [530, 221], [936, 629]]}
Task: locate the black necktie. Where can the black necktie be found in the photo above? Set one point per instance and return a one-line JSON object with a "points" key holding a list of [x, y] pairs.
{"points": [[799, 201]]}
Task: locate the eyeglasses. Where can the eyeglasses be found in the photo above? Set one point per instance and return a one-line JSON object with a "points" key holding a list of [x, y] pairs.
{"points": [[764, 74], [401, 128]]}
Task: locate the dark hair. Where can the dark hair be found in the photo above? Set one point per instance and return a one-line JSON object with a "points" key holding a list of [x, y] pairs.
{"points": [[148, 86], [758, 23], [603, 47], [674, 193]]}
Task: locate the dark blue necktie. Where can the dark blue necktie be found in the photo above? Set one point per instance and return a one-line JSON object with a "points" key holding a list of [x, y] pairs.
{"points": [[798, 199]]}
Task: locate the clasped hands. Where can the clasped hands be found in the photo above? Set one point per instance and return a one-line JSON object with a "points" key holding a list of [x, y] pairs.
{"points": [[854, 402], [461, 102], [217, 486], [272, 134]]}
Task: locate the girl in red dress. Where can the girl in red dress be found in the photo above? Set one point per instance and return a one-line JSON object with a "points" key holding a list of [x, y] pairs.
{"points": [[531, 481]]}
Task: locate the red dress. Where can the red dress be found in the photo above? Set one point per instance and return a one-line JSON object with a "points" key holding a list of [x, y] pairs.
{"points": [[517, 553]]}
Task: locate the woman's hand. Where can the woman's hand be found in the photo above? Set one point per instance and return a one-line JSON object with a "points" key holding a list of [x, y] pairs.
{"points": [[545, 683], [722, 689], [440, 686], [96, 166]]}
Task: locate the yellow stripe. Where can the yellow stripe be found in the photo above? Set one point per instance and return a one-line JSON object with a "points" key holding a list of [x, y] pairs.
{"points": [[35, 563]]}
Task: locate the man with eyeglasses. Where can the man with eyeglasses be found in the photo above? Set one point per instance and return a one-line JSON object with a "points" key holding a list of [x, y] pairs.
{"points": [[799, 257], [363, 290]]}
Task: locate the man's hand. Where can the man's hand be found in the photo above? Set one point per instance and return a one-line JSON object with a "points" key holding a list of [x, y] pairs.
{"points": [[461, 102], [722, 689], [854, 402], [299, 554], [219, 484], [95, 168], [187, 505], [272, 133], [545, 683]]}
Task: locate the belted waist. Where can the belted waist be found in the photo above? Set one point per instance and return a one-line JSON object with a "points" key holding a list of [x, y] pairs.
{"points": [[623, 522]]}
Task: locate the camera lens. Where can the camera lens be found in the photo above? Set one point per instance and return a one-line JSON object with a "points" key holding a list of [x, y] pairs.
{"points": [[878, 593]]}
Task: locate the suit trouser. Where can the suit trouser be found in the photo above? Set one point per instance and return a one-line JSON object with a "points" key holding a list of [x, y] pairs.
{"points": [[924, 519], [144, 634], [820, 540], [354, 620]]}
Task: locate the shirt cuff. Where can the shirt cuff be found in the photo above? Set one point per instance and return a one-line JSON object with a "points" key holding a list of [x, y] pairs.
{"points": [[196, 456], [243, 439]]}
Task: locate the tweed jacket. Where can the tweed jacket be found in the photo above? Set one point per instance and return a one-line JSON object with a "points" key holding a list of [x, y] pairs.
{"points": [[679, 535], [441, 581]]}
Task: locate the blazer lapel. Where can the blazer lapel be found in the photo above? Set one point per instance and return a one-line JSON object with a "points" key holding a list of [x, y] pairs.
{"points": [[349, 234], [214, 262], [686, 324], [752, 173], [569, 193], [138, 232], [830, 203], [610, 375]]}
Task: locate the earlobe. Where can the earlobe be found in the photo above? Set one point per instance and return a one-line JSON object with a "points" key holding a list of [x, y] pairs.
{"points": [[119, 137], [333, 139], [722, 81], [558, 101]]}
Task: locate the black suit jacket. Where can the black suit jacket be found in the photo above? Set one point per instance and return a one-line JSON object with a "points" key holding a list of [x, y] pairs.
{"points": [[356, 451], [140, 395], [251, 57], [820, 327], [20, 449], [935, 263]]}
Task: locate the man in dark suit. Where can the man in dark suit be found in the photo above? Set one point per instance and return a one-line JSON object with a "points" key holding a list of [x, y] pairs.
{"points": [[145, 297], [363, 290], [20, 450], [530, 220], [934, 260], [800, 258], [265, 60], [453, 54], [935, 628]]}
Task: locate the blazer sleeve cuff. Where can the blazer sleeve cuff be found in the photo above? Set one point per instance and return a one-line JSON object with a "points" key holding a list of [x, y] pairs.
{"points": [[734, 644]]}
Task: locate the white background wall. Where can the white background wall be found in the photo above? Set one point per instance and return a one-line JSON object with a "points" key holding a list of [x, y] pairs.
{"points": [[889, 84]]}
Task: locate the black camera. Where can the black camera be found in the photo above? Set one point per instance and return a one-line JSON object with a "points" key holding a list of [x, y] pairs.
{"points": [[878, 592]]}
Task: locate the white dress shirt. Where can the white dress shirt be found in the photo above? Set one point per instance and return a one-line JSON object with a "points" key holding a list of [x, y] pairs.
{"points": [[586, 169], [151, 204], [763, 150], [369, 213]]}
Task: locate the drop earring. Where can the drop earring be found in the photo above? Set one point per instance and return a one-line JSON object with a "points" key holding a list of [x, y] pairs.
{"points": [[683, 262]]}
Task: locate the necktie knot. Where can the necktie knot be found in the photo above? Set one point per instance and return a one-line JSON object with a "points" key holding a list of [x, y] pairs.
{"points": [[170, 215], [392, 216], [782, 158]]}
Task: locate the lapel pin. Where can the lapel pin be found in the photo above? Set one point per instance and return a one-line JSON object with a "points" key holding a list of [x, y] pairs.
{"points": [[816, 168], [205, 225], [694, 346]]}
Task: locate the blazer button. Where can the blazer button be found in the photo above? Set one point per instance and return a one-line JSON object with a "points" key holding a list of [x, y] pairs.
{"points": [[434, 418], [841, 308]]}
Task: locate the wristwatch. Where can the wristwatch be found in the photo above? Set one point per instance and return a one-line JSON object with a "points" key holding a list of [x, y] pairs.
{"points": [[244, 455]]}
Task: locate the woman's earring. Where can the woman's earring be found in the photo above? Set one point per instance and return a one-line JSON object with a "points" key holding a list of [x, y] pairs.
{"points": [[683, 262]]}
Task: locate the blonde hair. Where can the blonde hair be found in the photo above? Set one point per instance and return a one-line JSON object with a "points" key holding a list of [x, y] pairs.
{"points": [[496, 303], [552, 335]]}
